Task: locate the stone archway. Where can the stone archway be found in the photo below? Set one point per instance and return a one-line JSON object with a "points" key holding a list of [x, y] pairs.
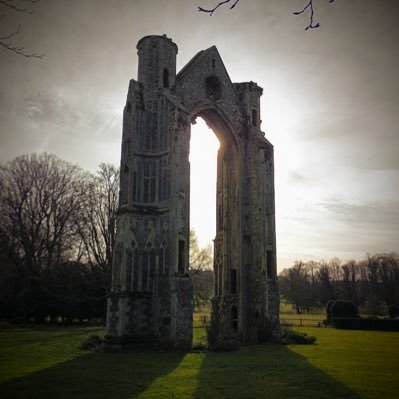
{"points": [[151, 294]]}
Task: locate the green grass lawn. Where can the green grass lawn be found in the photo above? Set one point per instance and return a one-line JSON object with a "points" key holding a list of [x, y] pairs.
{"points": [[344, 364]]}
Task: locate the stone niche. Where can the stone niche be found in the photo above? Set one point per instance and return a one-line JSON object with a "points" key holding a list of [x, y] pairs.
{"points": [[151, 295]]}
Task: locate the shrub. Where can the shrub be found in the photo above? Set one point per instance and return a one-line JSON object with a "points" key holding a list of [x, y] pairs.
{"points": [[373, 306], [344, 309], [369, 323], [328, 309], [290, 336], [92, 342], [393, 311]]}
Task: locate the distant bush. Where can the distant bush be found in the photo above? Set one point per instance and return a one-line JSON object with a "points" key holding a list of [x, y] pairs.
{"points": [[92, 342], [342, 308], [393, 311], [366, 324], [290, 336], [5, 325], [375, 306], [328, 309]]}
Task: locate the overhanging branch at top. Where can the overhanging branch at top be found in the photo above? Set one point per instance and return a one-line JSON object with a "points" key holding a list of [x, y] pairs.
{"points": [[309, 7]]}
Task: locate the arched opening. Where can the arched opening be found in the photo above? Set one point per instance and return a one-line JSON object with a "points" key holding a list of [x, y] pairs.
{"points": [[166, 78], [204, 147], [234, 318], [215, 197]]}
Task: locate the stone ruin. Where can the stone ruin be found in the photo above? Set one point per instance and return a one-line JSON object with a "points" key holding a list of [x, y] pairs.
{"points": [[151, 294]]}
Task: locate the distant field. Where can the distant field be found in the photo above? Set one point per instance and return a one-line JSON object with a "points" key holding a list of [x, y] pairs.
{"points": [[344, 364]]}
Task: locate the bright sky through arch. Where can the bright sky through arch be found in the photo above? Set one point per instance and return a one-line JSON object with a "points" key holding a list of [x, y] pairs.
{"points": [[203, 167]]}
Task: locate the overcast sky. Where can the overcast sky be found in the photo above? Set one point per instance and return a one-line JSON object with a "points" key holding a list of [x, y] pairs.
{"points": [[330, 103]]}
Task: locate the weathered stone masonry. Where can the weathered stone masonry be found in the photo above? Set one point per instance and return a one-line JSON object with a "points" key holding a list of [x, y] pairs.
{"points": [[151, 294]]}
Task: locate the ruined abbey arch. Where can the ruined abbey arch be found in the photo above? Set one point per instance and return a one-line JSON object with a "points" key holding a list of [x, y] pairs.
{"points": [[151, 293]]}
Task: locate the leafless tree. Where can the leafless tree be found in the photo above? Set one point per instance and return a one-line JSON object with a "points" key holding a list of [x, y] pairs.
{"points": [[6, 39], [40, 196], [200, 258], [308, 8], [201, 261], [296, 284], [97, 222]]}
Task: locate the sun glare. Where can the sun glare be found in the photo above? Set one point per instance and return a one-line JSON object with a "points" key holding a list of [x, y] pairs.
{"points": [[203, 167]]}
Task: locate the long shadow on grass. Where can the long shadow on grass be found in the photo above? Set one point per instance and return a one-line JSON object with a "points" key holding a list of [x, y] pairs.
{"points": [[265, 371], [94, 375]]}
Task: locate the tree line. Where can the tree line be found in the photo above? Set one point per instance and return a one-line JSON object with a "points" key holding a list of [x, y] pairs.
{"points": [[371, 283], [57, 232]]}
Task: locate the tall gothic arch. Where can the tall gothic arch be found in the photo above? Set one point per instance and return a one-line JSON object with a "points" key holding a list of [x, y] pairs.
{"points": [[151, 293]]}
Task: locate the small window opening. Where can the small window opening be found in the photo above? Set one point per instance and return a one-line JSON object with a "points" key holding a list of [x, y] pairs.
{"points": [[128, 266], [180, 266], [254, 117], [269, 264], [134, 186], [213, 88], [234, 318], [220, 217], [233, 281], [123, 185], [213, 63], [166, 78]]}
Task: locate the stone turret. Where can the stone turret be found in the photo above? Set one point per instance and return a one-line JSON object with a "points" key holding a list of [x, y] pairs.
{"points": [[249, 94], [157, 61]]}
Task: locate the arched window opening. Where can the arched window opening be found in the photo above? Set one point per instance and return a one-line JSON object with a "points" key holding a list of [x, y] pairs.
{"points": [[166, 78], [182, 255], [149, 263], [234, 318], [233, 281], [254, 117], [163, 260], [213, 88], [128, 268], [124, 179]]}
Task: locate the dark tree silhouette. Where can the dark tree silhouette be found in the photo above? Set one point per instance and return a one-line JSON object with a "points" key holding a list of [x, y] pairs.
{"points": [[308, 8], [6, 40], [201, 273]]}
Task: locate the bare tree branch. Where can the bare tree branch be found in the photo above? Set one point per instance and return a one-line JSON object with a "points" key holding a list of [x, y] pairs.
{"points": [[12, 5], [16, 49], [5, 39], [309, 6], [212, 10]]}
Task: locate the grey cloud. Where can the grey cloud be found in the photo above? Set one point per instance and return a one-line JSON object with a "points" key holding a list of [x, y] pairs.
{"points": [[381, 216], [301, 178]]}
